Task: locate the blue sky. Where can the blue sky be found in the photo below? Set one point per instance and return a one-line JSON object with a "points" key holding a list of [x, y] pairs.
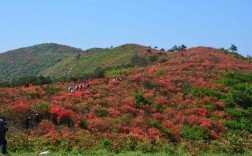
{"points": [[103, 23]]}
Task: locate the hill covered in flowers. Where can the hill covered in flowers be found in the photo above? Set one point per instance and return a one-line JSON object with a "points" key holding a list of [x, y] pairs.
{"points": [[196, 100]]}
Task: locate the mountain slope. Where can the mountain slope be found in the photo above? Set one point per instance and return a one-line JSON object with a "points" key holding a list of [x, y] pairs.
{"points": [[31, 61], [93, 58], [63, 61], [200, 100]]}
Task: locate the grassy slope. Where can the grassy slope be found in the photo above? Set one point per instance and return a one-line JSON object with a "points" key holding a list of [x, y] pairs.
{"points": [[94, 58], [31, 61], [59, 60]]}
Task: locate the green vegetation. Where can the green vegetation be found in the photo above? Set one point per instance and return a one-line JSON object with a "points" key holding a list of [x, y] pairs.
{"points": [[194, 133], [233, 48], [140, 100], [115, 72], [176, 48], [63, 63], [122, 56], [26, 81], [31, 61], [240, 91]]}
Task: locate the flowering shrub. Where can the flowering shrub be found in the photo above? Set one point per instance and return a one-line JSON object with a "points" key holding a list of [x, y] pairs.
{"points": [[220, 105], [44, 127], [62, 115], [183, 104]]}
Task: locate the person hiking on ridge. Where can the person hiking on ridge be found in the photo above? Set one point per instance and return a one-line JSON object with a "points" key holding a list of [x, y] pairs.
{"points": [[27, 122], [37, 119], [87, 85], [3, 129], [69, 89], [80, 86]]}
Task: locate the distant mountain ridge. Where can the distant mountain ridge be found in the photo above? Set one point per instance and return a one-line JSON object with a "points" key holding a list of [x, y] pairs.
{"points": [[57, 60], [31, 61]]}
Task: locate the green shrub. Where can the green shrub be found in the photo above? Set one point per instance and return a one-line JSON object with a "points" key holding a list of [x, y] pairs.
{"points": [[198, 91], [242, 97], [101, 112], [233, 144], [194, 91], [150, 84], [159, 126], [235, 77], [194, 133], [170, 150], [114, 72], [163, 60], [42, 108], [153, 58], [228, 102], [242, 124], [241, 119], [161, 72], [83, 124], [212, 93], [52, 89], [138, 61], [107, 144], [149, 146], [237, 113], [140, 100]]}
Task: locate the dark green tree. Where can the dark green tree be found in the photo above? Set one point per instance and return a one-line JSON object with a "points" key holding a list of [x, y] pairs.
{"points": [[182, 47], [233, 48], [173, 49]]}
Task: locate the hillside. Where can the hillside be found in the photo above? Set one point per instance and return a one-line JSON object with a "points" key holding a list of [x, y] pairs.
{"points": [[62, 61], [94, 58], [31, 61], [197, 101]]}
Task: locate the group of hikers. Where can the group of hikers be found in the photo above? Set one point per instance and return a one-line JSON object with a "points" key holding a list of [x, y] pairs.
{"points": [[117, 79], [4, 129], [81, 86], [36, 120], [78, 87]]}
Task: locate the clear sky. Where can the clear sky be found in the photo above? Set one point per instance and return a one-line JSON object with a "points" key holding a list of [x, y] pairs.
{"points": [[103, 23]]}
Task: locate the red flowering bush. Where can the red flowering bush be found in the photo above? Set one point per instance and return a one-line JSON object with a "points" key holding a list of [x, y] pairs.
{"points": [[44, 127], [158, 116], [220, 105], [62, 115]]}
